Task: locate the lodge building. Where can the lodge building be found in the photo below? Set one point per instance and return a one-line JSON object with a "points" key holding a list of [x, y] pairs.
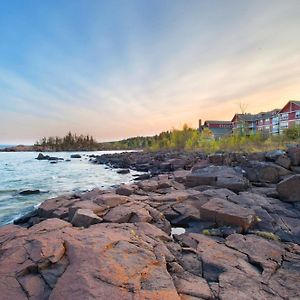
{"points": [[272, 122]]}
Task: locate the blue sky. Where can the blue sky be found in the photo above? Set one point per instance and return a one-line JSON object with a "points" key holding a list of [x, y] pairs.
{"points": [[123, 68]]}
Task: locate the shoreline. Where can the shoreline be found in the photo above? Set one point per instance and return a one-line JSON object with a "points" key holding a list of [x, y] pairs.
{"points": [[241, 219]]}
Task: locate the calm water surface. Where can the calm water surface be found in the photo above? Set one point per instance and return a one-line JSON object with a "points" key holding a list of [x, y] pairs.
{"points": [[21, 171]]}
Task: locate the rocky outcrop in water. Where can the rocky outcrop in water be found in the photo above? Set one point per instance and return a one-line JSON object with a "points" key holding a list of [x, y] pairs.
{"points": [[241, 240]]}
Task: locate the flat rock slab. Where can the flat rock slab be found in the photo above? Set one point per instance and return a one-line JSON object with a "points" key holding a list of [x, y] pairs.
{"points": [[289, 189], [223, 212], [53, 260], [220, 176], [264, 172]]}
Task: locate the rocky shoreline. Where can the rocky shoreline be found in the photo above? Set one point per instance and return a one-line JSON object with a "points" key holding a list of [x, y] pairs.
{"points": [[240, 214]]}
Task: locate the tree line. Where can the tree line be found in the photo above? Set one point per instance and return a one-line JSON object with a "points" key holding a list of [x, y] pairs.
{"points": [[186, 138], [70, 142]]}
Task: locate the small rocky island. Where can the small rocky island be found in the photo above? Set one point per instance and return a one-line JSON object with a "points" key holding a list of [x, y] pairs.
{"points": [[240, 214]]}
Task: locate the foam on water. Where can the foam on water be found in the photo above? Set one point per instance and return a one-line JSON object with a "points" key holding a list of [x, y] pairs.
{"points": [[20, 171]]}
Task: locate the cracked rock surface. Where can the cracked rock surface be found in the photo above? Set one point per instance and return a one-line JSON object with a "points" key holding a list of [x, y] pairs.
{"points": [[239, 243]]}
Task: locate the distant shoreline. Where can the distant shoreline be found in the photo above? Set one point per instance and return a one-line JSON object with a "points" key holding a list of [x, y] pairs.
{"points": [[33, 148]]}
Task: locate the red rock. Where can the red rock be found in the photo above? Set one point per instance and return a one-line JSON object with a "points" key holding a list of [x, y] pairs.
{"points": [[125, 190], [51, 207], [85, 218], [110, 200], [267, 254], [130, 212], [188, 284], [223, 212], [148, 185], [180, 175], [87, 204]]}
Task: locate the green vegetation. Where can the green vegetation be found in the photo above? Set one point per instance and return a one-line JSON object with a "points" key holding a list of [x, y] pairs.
{"points": [[293, 133], [70, 142], [187, 138], [192, 139], [267, 235]]}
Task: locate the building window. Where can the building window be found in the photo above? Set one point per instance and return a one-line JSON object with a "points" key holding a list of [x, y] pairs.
{"points": [[284, 125], [267, 120], [297, 114], [284, 116]]}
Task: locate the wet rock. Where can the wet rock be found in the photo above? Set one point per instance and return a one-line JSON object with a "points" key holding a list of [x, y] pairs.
{"points": [[26, 217], [85, 218], [223, 212], [123, 171], [274, 155], [53, 158], [29, 192], [41, 156], [56, 207], [142, 177], [289, 189], [75, 156]]}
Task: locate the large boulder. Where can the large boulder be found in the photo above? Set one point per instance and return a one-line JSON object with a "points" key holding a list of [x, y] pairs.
{"points": [[125, 190], [220, 176], [223, 212], [56, 207], [41, 156], [110, 200], [266, 254], [85, 218], [284, 161], [294, 155], [264, 172], [128, 213], [289, 189], [53, 260], [274, 155]]}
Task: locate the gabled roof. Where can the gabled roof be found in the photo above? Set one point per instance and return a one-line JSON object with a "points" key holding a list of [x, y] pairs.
{"points": [[291, 101], [245, 117], [218, 122]]}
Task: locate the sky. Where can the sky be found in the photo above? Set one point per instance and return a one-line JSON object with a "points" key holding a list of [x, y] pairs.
{"points": [[123, 68]]}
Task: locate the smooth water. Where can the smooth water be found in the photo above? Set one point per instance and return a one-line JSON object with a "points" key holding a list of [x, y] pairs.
{"points": [[20, 171]]}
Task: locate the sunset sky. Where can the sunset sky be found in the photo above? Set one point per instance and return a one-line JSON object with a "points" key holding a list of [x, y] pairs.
{"points": [[122, 68]]}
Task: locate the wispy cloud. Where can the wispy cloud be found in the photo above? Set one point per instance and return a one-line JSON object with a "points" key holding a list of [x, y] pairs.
{"points": [[141, 71]]}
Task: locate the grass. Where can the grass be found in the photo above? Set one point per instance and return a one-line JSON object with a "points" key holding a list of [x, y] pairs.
{"points": [[267, 235], [191, 139]]}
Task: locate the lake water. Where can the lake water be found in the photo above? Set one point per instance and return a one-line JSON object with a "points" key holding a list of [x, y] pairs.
{"points": [[20, 171]]}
